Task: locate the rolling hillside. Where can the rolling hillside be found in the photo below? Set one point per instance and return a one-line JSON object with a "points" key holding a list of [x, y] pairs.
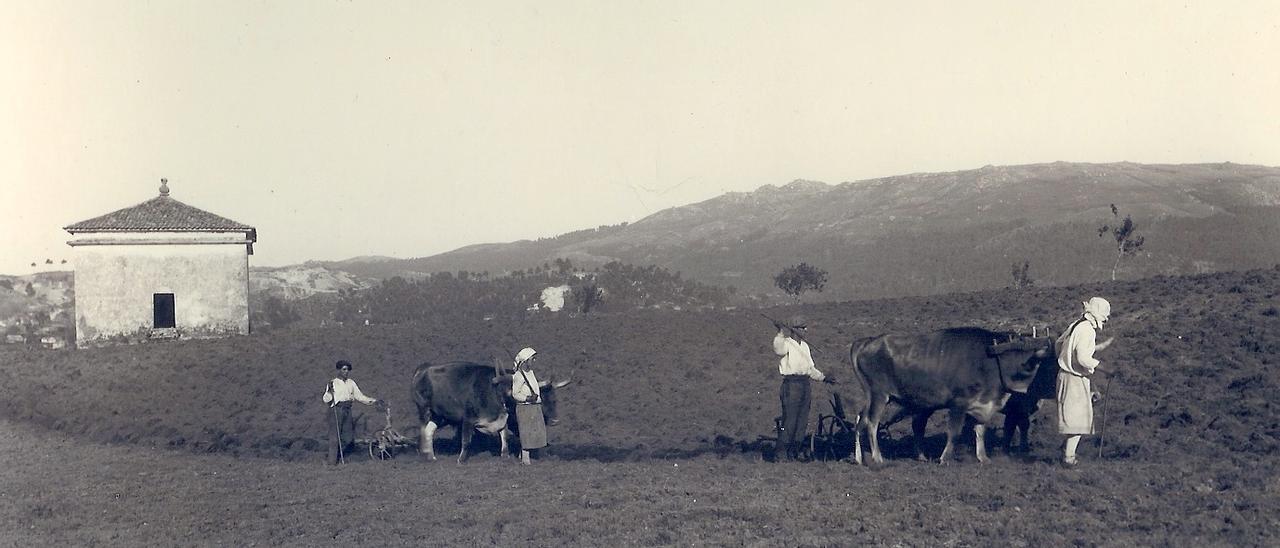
{"points": [[931, 233]]}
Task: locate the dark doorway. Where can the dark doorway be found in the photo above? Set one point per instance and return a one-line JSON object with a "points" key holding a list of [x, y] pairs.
{"points": [[163, 310]]}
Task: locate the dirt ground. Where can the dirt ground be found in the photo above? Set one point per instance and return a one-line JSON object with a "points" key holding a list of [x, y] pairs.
{"points": [[220, 442]]}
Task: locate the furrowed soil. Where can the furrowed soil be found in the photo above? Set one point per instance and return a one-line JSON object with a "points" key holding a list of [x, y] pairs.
{"points": [[660, 439]]}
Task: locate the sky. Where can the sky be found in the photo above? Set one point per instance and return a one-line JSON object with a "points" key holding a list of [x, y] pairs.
{"points": [[407, 129]]}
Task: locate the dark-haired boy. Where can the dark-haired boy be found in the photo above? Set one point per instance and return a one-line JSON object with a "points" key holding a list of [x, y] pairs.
{"points": [[339, 394]]}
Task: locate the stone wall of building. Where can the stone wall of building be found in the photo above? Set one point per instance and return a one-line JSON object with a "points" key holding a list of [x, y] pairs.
{"points": [[116, 280]]}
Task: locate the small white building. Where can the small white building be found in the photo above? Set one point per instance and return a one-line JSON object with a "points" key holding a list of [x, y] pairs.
{"points": [[160, 269]]}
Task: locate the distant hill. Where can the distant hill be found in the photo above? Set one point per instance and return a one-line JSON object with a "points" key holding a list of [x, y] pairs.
{"points": [[302, 281], [919, 234], [928, 233]]}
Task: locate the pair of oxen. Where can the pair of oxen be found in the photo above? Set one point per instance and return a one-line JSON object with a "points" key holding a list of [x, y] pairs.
{"points": [[968, 371]]}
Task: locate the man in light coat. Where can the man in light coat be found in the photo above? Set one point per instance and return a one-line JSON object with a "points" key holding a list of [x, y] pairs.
{"points": [[1075, 365]]}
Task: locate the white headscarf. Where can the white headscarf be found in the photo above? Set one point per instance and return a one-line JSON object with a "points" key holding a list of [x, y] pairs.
{"points": [[1097, 310], [524, 355]]}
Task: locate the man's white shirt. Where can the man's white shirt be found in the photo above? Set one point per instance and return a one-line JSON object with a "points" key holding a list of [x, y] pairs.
{"points": [[345, 391]]}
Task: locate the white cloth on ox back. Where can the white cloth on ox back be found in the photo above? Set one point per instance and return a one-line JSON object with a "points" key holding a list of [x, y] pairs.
{"points": [[344, 391], [796, 357]]}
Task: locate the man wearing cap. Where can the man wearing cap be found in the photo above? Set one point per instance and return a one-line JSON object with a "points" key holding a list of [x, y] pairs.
{"points": [[529, 418], [796, 368], [339, 394], [1075, 365]]}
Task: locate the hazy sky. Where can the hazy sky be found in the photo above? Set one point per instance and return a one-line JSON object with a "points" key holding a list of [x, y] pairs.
{"points": [[408, 129]]}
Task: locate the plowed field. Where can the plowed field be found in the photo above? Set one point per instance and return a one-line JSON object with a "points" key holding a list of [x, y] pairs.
{"points": [[220, 442]]}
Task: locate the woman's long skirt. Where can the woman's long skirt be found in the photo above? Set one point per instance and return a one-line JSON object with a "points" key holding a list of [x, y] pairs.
{"points": [[533, 429]]}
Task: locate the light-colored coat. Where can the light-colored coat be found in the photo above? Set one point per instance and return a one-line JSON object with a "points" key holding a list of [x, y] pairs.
{"points": [[1075, 363]]}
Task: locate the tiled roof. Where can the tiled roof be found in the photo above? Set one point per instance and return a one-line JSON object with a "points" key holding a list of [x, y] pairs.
{"points": [[160, 214]]}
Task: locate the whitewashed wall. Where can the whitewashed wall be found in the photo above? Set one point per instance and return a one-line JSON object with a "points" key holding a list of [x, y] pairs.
{"points": [[117, 275]]}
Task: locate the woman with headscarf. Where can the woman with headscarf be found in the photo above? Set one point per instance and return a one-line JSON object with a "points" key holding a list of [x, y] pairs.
{"points": [[1075, 365], [524, 390]]}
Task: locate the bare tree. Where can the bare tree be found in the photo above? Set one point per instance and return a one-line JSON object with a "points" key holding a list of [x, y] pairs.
{"points": [[1022, 276], [1127, 242], [588, 296]]}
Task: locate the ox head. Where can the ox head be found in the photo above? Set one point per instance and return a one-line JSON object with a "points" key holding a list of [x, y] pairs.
{"points": [[547, 391], [1019, 358]]}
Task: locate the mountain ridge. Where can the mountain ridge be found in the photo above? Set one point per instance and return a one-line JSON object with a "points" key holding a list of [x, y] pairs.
{"points": [[742, 238]]}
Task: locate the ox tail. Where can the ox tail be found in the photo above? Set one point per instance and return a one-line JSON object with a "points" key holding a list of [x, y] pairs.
{"points": [[421, 389], [854, 350]]}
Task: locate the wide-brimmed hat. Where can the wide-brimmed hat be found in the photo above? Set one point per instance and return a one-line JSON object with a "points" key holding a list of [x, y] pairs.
{"points": [[524, 355], [798, 322]]}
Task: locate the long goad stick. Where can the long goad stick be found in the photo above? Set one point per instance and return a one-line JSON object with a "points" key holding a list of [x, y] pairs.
{"points": [[792, 331], [1102, 432]]}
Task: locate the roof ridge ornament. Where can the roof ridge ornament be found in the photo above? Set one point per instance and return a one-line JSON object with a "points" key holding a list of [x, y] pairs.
{"points": [[164, 187]]}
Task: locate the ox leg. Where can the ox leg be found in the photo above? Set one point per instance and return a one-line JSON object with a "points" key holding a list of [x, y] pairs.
{"points": [[857, 442], [504, 438], [873, 414], [426, 441], [1017, 421], [1010, 428], [466, 434], [955, 423], [980, 440], [918, 423]]}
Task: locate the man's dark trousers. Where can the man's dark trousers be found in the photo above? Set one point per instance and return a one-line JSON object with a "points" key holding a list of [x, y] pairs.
{"points": [[794, 394], [340, 417]]}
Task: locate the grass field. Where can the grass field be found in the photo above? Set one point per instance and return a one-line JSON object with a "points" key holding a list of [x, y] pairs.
{"points": [[220, 442]]}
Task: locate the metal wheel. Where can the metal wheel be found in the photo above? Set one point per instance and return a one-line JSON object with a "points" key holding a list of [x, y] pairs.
{"points": [[380, 450], [831, 429]]}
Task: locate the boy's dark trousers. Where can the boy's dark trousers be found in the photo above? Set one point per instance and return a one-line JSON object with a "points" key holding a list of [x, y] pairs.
{"points": [[341, 431]]}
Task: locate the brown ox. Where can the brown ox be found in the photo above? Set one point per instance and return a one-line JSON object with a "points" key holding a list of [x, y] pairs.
{"points": [[966, 370]]}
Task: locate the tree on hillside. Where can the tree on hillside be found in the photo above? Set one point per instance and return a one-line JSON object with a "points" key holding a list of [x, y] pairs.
{"points": [[587, 296], [279, 313], [795, 280], [1021, 276], [1127, 242]]}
